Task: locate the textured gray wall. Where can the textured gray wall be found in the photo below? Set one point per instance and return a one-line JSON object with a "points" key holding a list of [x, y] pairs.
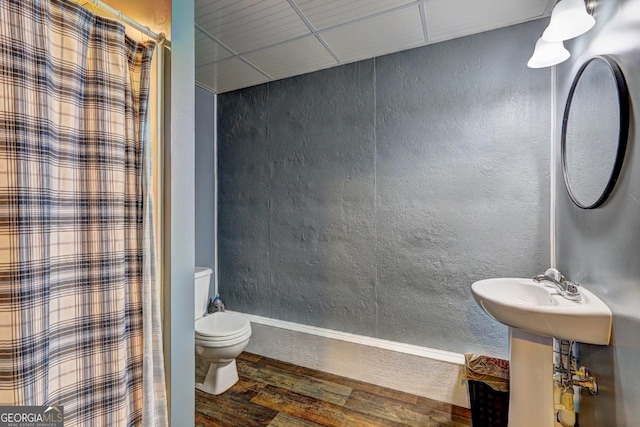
{"points": [[205, 203], [601, 248], [367, 198]]}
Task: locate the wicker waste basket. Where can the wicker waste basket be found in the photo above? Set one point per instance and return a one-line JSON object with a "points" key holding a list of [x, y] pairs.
{"points": [[488, 380]]}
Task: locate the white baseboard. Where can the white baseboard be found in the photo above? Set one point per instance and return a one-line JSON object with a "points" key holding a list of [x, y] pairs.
{"points": [[431, 373]]}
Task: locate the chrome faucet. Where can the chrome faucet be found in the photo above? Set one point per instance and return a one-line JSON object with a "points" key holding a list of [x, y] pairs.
{"points": [[566, 288]]}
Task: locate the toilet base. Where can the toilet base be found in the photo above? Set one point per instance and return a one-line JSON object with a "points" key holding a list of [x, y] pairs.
{"points": [[220, 377]]}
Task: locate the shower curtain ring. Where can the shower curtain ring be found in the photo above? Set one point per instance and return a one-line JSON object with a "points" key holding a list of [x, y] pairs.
{"points": [[145, 34]]}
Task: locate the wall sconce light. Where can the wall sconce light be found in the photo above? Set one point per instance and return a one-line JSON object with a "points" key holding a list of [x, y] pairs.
{"points": [[569, 19], [547, 54]]}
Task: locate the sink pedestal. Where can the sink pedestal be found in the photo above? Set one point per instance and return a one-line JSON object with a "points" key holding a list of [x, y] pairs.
{"points": [[531, 382], [535, 312]]}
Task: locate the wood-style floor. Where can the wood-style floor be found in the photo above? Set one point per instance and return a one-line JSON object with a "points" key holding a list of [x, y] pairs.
{"points": [[278, 394]]}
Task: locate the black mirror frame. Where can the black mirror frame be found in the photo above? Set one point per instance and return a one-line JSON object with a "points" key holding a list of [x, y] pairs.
{"points": [[623, 100]]}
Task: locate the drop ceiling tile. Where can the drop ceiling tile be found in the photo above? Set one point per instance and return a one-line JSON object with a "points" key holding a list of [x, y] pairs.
{"points": [[246, 25], [377, 36], [290, 59], [328, 13], [208, 51], [448, 19], [228, 74]]}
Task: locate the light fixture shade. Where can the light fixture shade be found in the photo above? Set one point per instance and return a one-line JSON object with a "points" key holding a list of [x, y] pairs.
{"points": [[569, 19], [547, 54]]}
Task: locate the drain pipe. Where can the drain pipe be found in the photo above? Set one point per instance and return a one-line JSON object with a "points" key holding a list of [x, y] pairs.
{"points": [[567, 376]]}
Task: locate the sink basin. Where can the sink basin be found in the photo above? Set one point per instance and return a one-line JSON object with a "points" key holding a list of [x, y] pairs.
{"points": [[540, 310]]}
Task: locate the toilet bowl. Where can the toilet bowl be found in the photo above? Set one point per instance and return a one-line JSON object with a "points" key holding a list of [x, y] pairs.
{"points": [[219, 337]]}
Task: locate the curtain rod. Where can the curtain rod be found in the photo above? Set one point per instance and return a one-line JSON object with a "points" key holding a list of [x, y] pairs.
{"points": [[161, 39]]}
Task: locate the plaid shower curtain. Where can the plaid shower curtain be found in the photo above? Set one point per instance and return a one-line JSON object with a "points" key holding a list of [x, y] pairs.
{"points": [[79, 305]]}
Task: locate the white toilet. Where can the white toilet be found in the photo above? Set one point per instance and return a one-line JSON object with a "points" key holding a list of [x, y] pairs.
{"points": [[220, 338]]}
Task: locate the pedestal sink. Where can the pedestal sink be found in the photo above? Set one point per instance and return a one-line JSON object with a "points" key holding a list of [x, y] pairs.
{"points": [[537, 313]]}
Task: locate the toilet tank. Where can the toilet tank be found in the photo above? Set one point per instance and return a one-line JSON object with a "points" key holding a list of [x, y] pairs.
{"points": [[201, 292]]}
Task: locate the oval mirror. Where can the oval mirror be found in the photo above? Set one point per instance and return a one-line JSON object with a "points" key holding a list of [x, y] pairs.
{"points": [[594, 131]]}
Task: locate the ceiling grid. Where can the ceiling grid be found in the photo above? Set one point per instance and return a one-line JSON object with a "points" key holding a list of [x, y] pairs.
{"points": [[241, 43]]}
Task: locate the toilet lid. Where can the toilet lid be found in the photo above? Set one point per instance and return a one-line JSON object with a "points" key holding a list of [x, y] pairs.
{"points": [[222, 325]]}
